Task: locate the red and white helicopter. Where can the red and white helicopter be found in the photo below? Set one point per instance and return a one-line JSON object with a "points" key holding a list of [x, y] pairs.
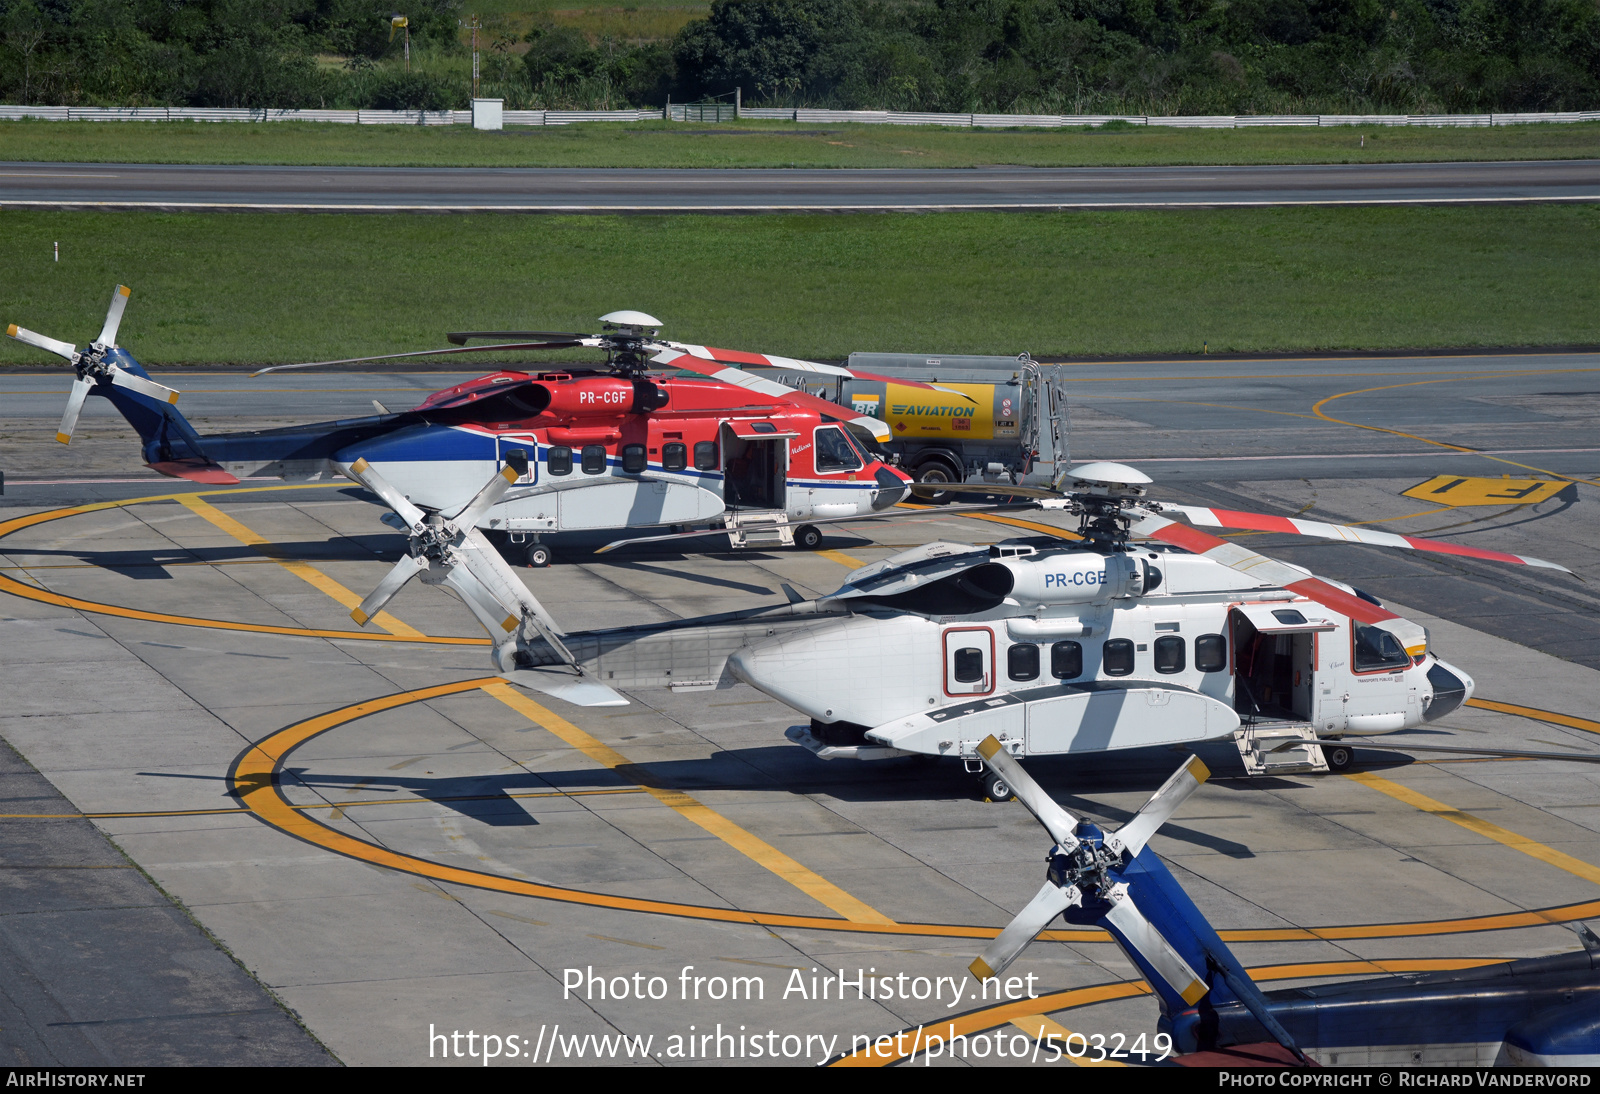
{"points": [[615, 446]]}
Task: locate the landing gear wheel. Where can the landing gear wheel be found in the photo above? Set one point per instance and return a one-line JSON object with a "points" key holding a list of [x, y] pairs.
{"points": [[1339, 757], [935, 472], [808, 537], [995, 787], [538, 556]]}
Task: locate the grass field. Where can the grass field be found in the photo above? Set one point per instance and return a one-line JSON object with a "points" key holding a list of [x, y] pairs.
{"points": [[770, 144], [275, 288]]}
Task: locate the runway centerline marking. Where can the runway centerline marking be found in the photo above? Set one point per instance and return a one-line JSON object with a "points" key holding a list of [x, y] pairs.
{"points": [[1576, 867], [751, 846], [303, 570]]}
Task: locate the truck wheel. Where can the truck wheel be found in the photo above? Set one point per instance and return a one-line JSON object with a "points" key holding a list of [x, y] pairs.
{"points": [[808, 537], [936, 472]]}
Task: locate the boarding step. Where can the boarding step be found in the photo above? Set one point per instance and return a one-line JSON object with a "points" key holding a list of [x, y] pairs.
{"points": [[759, 528], [1280, 748]]}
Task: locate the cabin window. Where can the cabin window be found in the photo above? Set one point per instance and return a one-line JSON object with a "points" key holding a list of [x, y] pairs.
{"points": [[633, 461], [1066, 660], [1377, 650], [1169, 654], [705, 455], [594, 459], [1022, 662], [1116, 657], [833, 451], [674, 456], [559, 460], [969, 665], [1289, 617], [1211, 653]]}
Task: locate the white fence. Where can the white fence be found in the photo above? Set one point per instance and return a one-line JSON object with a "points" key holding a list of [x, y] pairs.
{"points": [[800, 114]]}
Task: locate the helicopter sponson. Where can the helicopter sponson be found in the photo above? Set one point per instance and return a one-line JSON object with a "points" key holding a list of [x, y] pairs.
{"points": [[1086, 649]]}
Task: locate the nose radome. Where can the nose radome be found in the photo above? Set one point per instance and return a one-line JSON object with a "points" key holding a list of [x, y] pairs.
{"points": [[1451, 688]]}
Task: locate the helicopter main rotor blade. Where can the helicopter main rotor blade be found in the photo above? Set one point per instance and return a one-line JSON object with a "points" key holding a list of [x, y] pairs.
{"points": [[368, 476], [123, 378], [119, 304], [491, 493], [1050, 901], [999, 489], [69, 420], [904, 514], [403, 571], [32, 338], [1057, 821], [1267, 570], [432, 353], [1262, 522], [461, 337], [678, 359], [1132, 837], [792, 364]]}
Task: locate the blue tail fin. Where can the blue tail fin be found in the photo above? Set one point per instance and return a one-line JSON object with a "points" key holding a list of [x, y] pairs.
{"points": [[168, 442]]}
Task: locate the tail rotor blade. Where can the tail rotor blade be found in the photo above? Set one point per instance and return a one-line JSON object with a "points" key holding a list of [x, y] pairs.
{"points": [[133, 382], [69, 420], [402, 572], [1057, 821], [60, 349], [1132, 837], [368, 476], [1149, 943], [493, 490], [1046, 904], [496, 618], [119, 304]]}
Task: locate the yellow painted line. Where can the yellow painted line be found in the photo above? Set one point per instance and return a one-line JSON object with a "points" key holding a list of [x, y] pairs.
{"points": [[1030, 525], [252, 779], [303, 570], [1466, 490], [812, 884], [842, 559], [1317, 410], [1029, 1010], [1576, 867], [326, 805], [44, 596], [1568, 720]]}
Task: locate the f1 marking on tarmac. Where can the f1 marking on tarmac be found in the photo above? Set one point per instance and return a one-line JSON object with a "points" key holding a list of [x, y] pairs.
{"points": [[1461, 491]]}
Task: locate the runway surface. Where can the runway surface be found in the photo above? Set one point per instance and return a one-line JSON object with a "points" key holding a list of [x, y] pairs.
{"points": [[439, 849], [579, 190]]}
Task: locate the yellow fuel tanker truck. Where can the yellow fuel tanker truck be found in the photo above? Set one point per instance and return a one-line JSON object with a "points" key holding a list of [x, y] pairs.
{"points": [[1010, 429]]}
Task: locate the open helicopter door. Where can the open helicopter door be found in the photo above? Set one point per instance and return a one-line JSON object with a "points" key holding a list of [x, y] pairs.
{"points": [[1274, 680], [755, 474]]}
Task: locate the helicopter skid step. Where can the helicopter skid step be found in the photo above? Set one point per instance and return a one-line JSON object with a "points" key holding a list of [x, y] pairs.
{"points": [[802, 736], [1280, 748]]}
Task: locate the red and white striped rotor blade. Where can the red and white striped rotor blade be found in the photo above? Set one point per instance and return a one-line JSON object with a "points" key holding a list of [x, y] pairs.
{"points": [[1272, 572], [791, 364], [680, 359], [1262, 522]]}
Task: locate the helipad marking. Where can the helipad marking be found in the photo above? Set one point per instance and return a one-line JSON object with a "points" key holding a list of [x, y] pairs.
{"points": [[1568, 720], [842, 559], [980, 1021], [253, 780], [303, 570], [93, 607], [1560, 861], [1461, 490], [752, 847]]}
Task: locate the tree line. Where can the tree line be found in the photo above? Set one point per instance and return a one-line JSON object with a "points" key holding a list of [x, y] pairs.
{"points": [[1025, 56]]}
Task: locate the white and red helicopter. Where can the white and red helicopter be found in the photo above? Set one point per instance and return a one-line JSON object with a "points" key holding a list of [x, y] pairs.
{"points": [[615, 446], [1092, 646]]}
